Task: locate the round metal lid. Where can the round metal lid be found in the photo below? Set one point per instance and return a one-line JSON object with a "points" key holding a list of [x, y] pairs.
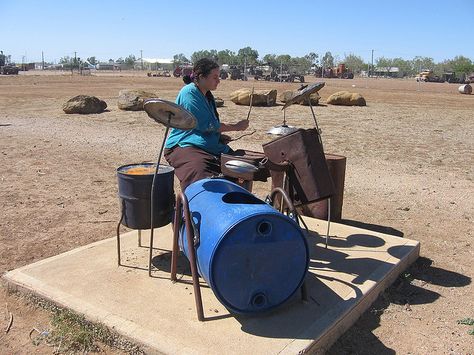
{"points": [[169, 114], [282, 130], [304, 93], [240, 167]]}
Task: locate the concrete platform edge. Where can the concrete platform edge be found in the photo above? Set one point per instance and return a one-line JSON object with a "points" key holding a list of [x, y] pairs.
{"points": [[322, 344]]}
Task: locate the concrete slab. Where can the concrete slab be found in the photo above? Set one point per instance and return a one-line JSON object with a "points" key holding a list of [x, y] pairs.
{"points": [[342, 282]]}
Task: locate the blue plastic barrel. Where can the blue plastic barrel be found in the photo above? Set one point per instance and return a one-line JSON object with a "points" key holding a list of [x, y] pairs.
{"points": [[253, 257]]}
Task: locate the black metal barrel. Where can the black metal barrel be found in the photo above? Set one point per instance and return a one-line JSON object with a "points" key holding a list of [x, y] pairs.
{"points": [[134, 185]]}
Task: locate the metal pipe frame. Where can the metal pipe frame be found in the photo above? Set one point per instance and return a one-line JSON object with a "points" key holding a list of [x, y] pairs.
{"points": [[182, 208], [170, 114], [329, 221], [118, 235]]}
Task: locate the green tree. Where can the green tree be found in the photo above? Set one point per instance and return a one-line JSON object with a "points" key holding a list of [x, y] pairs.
{"points": [[355, 63], [270, 59], [65, 60], [403, 65], [179, 59], [384, 64], [300, 65], [462, 65], [119, 60], [92, 60], [130, 61], [312, 57], [211, 54], [422, 63], [226, 56], [284, 59], [327, 60], [247, 55]]}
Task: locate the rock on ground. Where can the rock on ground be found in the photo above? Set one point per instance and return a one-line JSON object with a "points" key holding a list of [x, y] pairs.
{"points": [[346, 98], [260, 97], [132, 100], [84, 104]]}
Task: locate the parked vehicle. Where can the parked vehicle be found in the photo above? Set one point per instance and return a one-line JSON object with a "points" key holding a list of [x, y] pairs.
{"points": [[429, 76], [7, 69], [182, 71], [339, 72]]}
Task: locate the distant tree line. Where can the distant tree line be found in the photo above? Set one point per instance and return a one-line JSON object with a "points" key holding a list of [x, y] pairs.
{"points": [[250, 57], [77, 62]]}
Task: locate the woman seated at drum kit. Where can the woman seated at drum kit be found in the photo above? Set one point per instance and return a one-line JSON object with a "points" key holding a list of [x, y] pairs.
{"points": [[195, 154]]}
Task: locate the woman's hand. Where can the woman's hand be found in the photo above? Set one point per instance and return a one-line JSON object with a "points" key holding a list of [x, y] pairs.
{"points": [[241, 125]]}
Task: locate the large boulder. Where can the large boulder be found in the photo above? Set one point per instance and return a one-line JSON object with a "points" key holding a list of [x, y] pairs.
{"points": [[289, 94], [132, 100], [260, 97], [346, 98], [84, 104]]}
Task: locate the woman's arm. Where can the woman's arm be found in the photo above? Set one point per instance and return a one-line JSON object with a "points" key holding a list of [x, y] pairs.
{"points": [[239, 126]]}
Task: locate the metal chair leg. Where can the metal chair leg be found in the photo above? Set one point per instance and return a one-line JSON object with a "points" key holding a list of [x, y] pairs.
{"points": [[118, 236], [329, 221]]}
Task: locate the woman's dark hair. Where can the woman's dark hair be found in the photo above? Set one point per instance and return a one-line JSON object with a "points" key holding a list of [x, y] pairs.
{"points": [[187, 79], [204, 67]]}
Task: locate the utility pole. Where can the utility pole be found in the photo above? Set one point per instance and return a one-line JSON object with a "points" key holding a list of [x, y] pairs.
{"points": [[245, 67], [42, 60], [75, 62], [281, 70], [141, 57], [372, 65]]}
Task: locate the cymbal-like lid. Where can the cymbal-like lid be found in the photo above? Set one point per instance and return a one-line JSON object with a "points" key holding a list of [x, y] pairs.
{"points": [[240, 167], [282, 130], [304, 93], [169, 114]]}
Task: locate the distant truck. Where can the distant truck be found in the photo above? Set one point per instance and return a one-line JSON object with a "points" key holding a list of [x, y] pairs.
{"points": [[182, 71], [339, 72], [237, 73], [282, 74], [429, 76], [451, 78], [7, 69]]}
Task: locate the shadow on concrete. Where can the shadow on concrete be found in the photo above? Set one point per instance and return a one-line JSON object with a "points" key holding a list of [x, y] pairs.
{"points": [[293, 319], [372, 227], [337, 260], [353, 240], [406, 290], [162, 262]]}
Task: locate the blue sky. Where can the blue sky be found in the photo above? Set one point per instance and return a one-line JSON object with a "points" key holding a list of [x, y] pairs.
{"points": [[112, 29]]}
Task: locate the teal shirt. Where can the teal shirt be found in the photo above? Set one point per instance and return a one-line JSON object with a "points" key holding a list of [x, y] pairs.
{"points": [[206, 133]]}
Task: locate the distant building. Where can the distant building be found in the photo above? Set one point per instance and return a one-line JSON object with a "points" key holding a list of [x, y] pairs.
{"points": [[390, 72], [108, 66], [154, 64]]}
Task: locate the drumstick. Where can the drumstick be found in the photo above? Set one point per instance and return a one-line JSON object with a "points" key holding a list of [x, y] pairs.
{"points": [[251, 101]]}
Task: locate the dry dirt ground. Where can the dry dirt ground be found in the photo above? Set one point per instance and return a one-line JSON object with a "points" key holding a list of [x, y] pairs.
{"points": [[410, 158]]}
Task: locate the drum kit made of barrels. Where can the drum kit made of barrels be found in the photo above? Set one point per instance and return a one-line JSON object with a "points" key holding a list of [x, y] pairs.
{"points": [[256, 256]]}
